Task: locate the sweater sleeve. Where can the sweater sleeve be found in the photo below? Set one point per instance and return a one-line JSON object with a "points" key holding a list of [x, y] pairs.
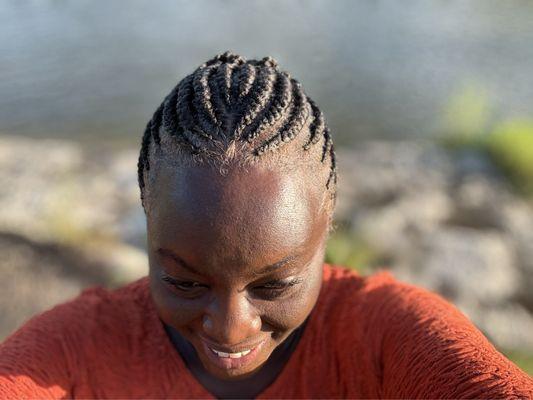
{"points": [[431, 350], [33, 362]]}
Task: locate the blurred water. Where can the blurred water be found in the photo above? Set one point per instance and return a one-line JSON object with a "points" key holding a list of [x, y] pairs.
{"points": [[88, 69]]}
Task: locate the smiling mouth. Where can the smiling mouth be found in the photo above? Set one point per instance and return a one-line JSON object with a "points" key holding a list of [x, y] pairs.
{"points": [[221, 354], [233, 360]]}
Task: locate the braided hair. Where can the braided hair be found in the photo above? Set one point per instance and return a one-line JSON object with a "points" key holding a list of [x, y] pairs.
{"points": [[230, 107]]}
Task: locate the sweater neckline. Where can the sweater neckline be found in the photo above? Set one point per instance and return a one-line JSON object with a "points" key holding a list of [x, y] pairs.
{"points": [[174, 362]]}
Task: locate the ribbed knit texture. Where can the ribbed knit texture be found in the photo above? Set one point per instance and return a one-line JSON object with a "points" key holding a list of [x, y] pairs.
{"points": [[366, 338]]}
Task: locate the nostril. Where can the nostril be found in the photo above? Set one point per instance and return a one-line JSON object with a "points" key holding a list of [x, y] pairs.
{"points": [[207, 323], [230, 319]]}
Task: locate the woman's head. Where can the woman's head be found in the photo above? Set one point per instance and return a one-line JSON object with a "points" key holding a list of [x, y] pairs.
{"points": [[237, 176]]}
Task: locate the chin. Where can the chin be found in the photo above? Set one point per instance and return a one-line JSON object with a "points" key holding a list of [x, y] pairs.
{"points": [[233, 375]]}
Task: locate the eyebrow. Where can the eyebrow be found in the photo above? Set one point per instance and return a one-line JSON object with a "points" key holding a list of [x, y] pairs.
{"points": [[274, 267], [265, 270], [179, 260]]}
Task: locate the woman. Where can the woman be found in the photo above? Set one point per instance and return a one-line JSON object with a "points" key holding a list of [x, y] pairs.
{"points": [[238, 180]]}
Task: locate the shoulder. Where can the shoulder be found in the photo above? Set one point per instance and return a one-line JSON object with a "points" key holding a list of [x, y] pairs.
{"points": [[379, 296], [383, 298], [108, 307], [51, 349], [431, 349], [93, 308], [99, 318], [371, 308], [417, 343]]}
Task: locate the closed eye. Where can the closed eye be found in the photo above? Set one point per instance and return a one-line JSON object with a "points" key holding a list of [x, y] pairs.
{"points": [[281, 284], [185, 286], [275, 289]]}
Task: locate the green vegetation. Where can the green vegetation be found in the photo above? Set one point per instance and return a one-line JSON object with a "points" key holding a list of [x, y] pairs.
{"points": [[466, 117], [524, 361], [350, 251], [508, 143]]}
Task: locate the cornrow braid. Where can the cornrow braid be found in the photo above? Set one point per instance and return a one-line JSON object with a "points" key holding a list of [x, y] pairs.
{"points": [[317, 127], [229, 99], [202, 100], [275, 109], [259, 94], [296, 120]]}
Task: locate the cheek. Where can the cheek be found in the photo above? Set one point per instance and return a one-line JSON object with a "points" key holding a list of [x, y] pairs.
{"points": [[171, 309], [287, 314]]}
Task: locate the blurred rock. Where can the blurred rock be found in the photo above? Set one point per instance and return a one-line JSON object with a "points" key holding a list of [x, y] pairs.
{"points": [[473, 162], [34, 175], [447, 222], [52, 192], [479, 202], [468, 266], [390, 229], [375, 173], [509, 325], [122, 263]]}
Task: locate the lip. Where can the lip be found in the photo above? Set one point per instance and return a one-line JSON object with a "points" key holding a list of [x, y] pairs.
{"points": [[227, 349], [232, 363]]}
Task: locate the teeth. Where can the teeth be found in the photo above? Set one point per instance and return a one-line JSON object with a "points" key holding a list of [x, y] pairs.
{"points": [[221, 354], [231, 355]]}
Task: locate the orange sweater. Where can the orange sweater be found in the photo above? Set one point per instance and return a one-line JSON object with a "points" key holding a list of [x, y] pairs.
{"points": [[366, 337]]}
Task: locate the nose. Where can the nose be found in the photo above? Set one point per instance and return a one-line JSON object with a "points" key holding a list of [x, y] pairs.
{"points": [[231, 320]]}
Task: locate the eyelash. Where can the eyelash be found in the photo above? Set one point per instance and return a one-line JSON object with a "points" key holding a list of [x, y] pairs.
{"points": [[176, 283], [271, 289], [275, 289], [281, 284]]}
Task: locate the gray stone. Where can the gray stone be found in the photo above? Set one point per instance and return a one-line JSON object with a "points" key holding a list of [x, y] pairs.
{"points": [[509, 325], [466, 265]]}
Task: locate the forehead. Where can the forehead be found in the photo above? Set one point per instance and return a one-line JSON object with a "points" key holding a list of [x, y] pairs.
{"points": [[249, 215]]}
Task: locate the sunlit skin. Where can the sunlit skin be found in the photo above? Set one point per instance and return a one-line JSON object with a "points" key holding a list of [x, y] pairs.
{"points": [[235, 259]]}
